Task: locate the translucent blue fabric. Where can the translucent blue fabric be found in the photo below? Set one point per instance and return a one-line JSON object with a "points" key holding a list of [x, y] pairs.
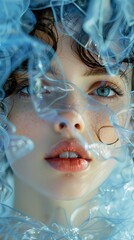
{"points": [[113, 205]]}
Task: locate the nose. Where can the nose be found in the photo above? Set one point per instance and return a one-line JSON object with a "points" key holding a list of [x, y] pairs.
{"points": [[69, 120]]}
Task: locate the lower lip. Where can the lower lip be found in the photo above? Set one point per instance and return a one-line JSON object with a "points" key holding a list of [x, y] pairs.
{"points": [[68, 164]]}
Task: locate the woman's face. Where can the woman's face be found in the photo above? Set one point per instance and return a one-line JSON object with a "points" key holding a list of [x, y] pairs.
{"points": [[59, 165]]}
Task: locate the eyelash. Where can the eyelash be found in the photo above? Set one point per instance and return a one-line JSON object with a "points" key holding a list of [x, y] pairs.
{"points": [[109, 85], [117, 90], [21, 87]]}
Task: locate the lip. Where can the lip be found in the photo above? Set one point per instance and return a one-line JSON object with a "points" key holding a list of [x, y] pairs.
{"points": [[68, 164]]}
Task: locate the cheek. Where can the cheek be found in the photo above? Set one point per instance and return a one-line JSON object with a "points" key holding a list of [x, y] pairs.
{"points": [[27, 123]]}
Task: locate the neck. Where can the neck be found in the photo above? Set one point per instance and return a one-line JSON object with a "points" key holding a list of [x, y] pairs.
{"points": [[47, 210]]}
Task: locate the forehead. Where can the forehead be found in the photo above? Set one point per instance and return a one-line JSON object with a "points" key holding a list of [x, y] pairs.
{"points": [[70, 61]]}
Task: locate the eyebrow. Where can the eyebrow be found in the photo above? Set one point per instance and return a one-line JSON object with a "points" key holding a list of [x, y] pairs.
{"points": [[98, 71], [89, 72], [55, 71], [94, 71]]}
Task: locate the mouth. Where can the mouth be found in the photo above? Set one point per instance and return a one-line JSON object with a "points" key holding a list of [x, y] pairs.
{"points": [[68, 156]]}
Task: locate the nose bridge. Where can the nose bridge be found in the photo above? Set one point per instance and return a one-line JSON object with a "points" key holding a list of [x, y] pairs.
{"points": [[74, 99]]}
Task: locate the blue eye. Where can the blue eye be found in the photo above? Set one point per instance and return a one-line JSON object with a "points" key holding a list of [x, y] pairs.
{"points": [[104, 91], [24, 91]]}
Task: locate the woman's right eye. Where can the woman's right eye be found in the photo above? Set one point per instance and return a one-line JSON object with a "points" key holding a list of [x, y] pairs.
{"points": [[24, 92]]}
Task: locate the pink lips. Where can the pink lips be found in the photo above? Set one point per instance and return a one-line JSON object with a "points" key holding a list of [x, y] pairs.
{"points": [[78, 159]]}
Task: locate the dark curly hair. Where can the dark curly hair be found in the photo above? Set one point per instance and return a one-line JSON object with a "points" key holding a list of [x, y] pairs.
{"points": [[46, 25]]}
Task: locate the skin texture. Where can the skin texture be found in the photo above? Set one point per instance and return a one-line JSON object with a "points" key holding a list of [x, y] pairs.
{"points": [[52, 188]]}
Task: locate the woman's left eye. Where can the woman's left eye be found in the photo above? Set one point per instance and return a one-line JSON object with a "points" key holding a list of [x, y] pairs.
{"points": [[104, 92], [105, 89]]}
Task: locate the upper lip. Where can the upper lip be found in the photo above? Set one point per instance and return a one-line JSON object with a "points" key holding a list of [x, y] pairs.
{"points": [[71, 145]]}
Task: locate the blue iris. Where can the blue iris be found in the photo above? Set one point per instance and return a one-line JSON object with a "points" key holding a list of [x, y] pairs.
{"points": [[103, 91]]}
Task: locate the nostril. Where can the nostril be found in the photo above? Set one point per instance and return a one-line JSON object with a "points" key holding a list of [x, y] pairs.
{"points": [[62, 125], [69, 121], [77, 125]]}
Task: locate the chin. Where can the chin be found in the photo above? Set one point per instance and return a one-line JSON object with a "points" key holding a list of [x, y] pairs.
{"points": [[68, 188]]}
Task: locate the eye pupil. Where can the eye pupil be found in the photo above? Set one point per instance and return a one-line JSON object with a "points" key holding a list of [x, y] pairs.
{"points": [[103, 91]]}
